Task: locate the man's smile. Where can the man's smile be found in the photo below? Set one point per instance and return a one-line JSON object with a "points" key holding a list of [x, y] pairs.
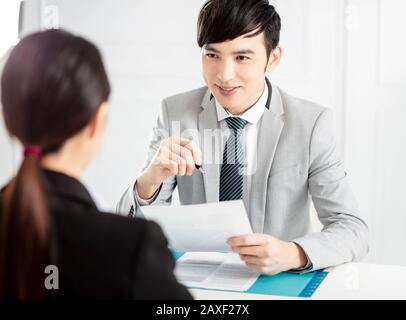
{"points": [[227, 90]]}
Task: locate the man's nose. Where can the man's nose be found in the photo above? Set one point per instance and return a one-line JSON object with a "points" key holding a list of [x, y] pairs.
{"points": [[226, 71]]}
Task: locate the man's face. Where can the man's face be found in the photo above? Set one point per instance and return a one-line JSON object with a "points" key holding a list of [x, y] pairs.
{"points": [[235, 71]]}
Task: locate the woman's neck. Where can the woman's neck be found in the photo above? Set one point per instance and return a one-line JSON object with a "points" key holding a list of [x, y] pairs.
{"points": [[66, 164]]}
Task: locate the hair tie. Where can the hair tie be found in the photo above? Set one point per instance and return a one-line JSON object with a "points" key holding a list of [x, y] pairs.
{"points": [[35, 151]]}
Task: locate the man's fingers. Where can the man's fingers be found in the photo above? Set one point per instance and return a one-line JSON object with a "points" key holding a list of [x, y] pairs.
{"points": [[190, 162], [162, 156], [166, 156], [196, 152], [248, 240], [192, 147], [254, 260], [254, 267], [183, 152], [262, 269], [181, 163], [172, 167], [179, 140], [258, 251], [174, 163], [171, 150]]}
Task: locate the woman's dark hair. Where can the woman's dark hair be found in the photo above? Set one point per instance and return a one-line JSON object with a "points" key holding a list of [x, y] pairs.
{"points": [[222, 20], [52, 86]]}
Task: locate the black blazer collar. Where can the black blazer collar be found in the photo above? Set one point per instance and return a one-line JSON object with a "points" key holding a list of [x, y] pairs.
{"points": [[59, 184]]}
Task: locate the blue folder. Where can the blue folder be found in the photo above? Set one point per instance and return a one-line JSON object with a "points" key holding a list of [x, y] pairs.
{"points": [[285, 283]]}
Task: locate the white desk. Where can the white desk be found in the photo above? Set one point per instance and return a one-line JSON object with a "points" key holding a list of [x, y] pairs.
{"points": [[348, 281]]}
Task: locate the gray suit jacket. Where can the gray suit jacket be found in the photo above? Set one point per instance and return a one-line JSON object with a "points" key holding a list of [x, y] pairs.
{"points": [[297, 161]]}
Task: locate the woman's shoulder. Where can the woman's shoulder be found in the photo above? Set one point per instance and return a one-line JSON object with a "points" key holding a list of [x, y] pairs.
{"points": [[123, 225], [90, 220], [106, 239]]}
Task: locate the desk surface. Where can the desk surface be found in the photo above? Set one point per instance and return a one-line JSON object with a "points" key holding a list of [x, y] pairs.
{"points": [[348, 281]]}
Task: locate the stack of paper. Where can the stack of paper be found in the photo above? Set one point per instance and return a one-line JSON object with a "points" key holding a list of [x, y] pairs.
{"points": [[222, 271]]}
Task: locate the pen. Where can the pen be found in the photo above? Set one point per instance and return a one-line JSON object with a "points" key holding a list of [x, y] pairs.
{"points": [[199, 168]]}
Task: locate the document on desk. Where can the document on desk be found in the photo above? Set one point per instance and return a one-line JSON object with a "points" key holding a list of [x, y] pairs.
{"points": [[202, 227], [214, 270]]}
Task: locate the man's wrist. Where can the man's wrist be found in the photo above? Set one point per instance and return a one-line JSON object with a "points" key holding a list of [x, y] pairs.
{"points": [[298, 256], [145, 190]]}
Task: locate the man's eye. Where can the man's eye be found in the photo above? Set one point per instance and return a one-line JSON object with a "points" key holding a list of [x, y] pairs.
{"points": [[211, 55], [243, 58]]}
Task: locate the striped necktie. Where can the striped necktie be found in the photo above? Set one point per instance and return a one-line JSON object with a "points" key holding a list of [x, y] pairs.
{"points": [[232, 168]]}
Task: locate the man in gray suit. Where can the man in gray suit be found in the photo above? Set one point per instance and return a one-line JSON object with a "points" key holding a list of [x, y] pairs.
{"points": [[254, 142]]}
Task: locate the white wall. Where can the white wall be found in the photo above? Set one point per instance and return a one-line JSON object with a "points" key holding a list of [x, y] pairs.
{"points": [[375, 121], [9, 36], [344, 54]]}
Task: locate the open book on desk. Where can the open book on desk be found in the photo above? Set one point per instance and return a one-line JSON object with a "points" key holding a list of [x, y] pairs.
{"points": [[224, 271]]}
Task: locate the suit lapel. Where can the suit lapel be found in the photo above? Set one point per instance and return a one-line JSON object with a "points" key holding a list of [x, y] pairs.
{"points": [[211, 147], [268, 137]]}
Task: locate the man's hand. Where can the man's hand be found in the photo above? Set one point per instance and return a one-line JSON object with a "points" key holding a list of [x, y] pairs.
{"points": [[266, 254], [175, 157]]}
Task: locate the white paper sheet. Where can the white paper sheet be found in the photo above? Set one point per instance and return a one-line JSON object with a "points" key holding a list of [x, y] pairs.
{"points": [[213, 270], [201, 227]]}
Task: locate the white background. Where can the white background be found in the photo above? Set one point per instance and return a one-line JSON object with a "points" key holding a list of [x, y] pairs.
{"points": [[349, 55]]}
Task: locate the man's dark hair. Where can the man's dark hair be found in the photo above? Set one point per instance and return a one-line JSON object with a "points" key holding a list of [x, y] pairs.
{"points": [[222, 20]]}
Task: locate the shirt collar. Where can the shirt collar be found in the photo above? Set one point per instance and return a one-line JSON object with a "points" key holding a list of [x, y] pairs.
{"points": [[252, 115]]}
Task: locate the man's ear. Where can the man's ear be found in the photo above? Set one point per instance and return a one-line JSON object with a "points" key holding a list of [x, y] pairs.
{"points": [[98, 120], [274, 59]]}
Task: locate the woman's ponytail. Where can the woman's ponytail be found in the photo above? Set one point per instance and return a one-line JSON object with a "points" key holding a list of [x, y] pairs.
{"points": [[24, 245]]}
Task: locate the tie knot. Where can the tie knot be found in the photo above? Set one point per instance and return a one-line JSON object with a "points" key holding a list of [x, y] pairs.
{"points": [[236, 123]]}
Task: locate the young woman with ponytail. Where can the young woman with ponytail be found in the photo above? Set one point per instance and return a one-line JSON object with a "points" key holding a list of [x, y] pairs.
{"points": [[54, 93]]}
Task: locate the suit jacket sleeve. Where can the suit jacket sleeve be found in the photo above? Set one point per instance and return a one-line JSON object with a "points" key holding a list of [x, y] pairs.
{"points": [[344, 237], [153, 276], [129, 203]]}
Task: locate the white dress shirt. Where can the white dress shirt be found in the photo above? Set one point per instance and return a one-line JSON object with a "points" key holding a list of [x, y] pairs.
{"points": [[249, 137]]}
